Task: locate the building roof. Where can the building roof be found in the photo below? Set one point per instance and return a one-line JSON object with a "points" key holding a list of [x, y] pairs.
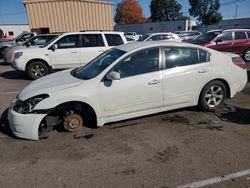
{"points": [[43, 1]]}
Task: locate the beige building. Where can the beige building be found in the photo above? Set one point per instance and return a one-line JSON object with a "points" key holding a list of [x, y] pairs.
{"points": [[69, 15]]}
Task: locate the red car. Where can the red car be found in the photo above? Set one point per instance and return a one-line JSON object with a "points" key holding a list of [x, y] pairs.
{"points": [[234, 40]]}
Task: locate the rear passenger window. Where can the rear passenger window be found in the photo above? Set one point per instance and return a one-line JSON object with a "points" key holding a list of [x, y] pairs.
{"points": [[203, 56], [240, 35], [248, 34], [92, 40], [176, 57], [114, 39]]}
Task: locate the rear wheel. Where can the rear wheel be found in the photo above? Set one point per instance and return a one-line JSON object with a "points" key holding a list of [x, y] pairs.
{"points": [[37, 69], [212, 95], [73, 122], [246, 55]]}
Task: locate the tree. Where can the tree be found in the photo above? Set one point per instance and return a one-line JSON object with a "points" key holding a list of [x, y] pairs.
{"points": [[165, 10], [206, 11], [129, 11]]}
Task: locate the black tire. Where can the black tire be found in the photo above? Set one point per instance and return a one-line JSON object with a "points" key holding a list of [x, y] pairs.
{"points": [[212, 95], [246, 55], [37, 69]]}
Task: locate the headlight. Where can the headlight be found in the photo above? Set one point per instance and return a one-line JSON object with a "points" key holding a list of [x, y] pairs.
{"points": [[27, 106], [18, 54]]}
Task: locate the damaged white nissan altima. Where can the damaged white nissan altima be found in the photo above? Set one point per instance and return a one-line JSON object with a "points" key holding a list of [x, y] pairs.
{"points": [[127, 81]]}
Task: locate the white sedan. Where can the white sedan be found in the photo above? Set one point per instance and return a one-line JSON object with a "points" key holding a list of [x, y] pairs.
{"points": [[127, 81]]}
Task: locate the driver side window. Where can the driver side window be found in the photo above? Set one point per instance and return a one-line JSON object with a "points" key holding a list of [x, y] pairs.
{"points": [[226, 36], [69, 41], [142, 62]]}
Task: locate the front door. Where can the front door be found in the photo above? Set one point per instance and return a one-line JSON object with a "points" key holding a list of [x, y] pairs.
{"points": [[226, 44], [66, 54], [140, 86]]}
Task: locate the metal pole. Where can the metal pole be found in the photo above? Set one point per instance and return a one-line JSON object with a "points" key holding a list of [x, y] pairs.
{"points": [[235, 17], [236, 11]]}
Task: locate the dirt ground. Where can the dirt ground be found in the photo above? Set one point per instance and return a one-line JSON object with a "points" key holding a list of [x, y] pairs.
{"points": [[166, 150]]}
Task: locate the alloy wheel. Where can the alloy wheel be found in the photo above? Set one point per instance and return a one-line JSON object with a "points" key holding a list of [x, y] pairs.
{"points": [[214, 96]]}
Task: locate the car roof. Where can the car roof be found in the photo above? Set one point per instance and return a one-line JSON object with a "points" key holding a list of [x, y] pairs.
{"points": [[48, 34], [93, 32], [159, 33], [134, 45], [237, 30]]}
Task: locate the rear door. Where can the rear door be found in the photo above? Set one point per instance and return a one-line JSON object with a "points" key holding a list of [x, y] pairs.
{"points": [[186, 71], [92, 46], [240, 42]]}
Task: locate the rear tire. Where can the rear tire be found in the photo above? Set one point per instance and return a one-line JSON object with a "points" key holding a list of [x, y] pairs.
{"points": [[212, 95], [37, 69], [246, 55]]}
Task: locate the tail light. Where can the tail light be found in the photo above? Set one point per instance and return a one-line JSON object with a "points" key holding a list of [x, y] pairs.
{"points": [[239, 62]]}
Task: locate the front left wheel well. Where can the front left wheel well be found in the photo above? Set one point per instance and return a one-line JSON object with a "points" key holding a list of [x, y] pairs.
{"points": [[56, 116]]}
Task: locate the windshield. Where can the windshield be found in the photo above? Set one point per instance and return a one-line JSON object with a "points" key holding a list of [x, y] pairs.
{"points": [[206, 37], [97, 65], [144, 38]]}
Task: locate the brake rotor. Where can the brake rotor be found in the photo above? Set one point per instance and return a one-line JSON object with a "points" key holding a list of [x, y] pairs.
{"points": [[73, 122]]}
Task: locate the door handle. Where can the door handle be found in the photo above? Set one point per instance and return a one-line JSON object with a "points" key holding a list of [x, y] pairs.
{"points": [[74, 52], [203, 71], [153, 82]]}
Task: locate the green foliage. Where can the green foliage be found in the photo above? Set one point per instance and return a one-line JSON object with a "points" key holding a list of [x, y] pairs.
{"points": [[206, 11], [165, 10]]}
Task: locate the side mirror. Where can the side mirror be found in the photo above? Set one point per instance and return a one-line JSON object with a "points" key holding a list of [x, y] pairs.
{"points": [[54, 47], [113, 76], [218, 40], [27, 44]]}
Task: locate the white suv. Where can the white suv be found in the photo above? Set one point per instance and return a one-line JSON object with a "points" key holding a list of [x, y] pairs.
{"points": [[66, 51]]}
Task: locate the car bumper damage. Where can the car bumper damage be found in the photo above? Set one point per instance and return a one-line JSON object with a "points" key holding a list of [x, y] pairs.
{"points": [[24, 125]]}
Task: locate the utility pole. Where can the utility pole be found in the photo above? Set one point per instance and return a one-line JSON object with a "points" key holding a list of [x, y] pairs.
{"points": [[236, 11], [235, 17]]}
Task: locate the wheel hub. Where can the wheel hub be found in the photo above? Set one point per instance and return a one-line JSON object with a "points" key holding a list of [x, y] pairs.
{"points": [[73, 122]]}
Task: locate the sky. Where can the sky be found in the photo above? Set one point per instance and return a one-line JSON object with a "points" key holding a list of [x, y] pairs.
{"points": [[14, 12]]}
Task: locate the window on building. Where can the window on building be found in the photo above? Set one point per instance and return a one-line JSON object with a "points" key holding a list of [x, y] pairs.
{"points": [[92, 40], [114, 39], [11, 33]]}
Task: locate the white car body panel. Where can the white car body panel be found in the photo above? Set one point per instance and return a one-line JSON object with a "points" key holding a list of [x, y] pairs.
{"points": [[132, 96]]}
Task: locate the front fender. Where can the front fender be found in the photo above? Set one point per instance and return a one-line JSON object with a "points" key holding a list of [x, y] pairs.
{"points": [[51, 103]]}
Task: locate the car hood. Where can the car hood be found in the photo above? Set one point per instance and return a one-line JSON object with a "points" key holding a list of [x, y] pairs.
{"points": [[49, 84]]}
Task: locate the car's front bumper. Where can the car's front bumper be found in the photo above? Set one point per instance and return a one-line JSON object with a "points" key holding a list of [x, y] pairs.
{"points": [[19, 64], [24, 125]]}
